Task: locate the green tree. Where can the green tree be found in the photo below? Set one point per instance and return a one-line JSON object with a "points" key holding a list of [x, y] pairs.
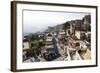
{"points": [[83, 36]]}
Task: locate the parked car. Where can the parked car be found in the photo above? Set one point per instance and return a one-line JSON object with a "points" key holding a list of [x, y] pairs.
{"points": [[37, 60], [50, 55]]}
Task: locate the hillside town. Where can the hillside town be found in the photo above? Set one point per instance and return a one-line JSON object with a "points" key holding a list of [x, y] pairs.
{"points": [[64, 42]]}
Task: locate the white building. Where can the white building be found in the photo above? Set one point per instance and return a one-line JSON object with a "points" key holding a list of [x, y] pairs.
{"points": [[25, 44]]}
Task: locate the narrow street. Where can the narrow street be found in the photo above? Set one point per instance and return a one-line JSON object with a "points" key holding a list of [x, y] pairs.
{"points": [[61, 52], [67, 57]]}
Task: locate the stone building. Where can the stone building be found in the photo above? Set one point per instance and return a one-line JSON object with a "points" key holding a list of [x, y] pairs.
{"points": [[75, 25], [86, 23]]}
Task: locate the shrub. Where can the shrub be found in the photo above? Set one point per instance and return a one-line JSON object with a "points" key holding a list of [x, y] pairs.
{"points": [[83, 36]]}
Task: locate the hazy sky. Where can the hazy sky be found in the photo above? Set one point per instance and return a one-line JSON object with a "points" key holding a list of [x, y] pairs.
{"points": [[34, 21]]}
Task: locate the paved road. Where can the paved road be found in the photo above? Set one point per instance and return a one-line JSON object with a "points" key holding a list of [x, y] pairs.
{"points": [[62, 57]]}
